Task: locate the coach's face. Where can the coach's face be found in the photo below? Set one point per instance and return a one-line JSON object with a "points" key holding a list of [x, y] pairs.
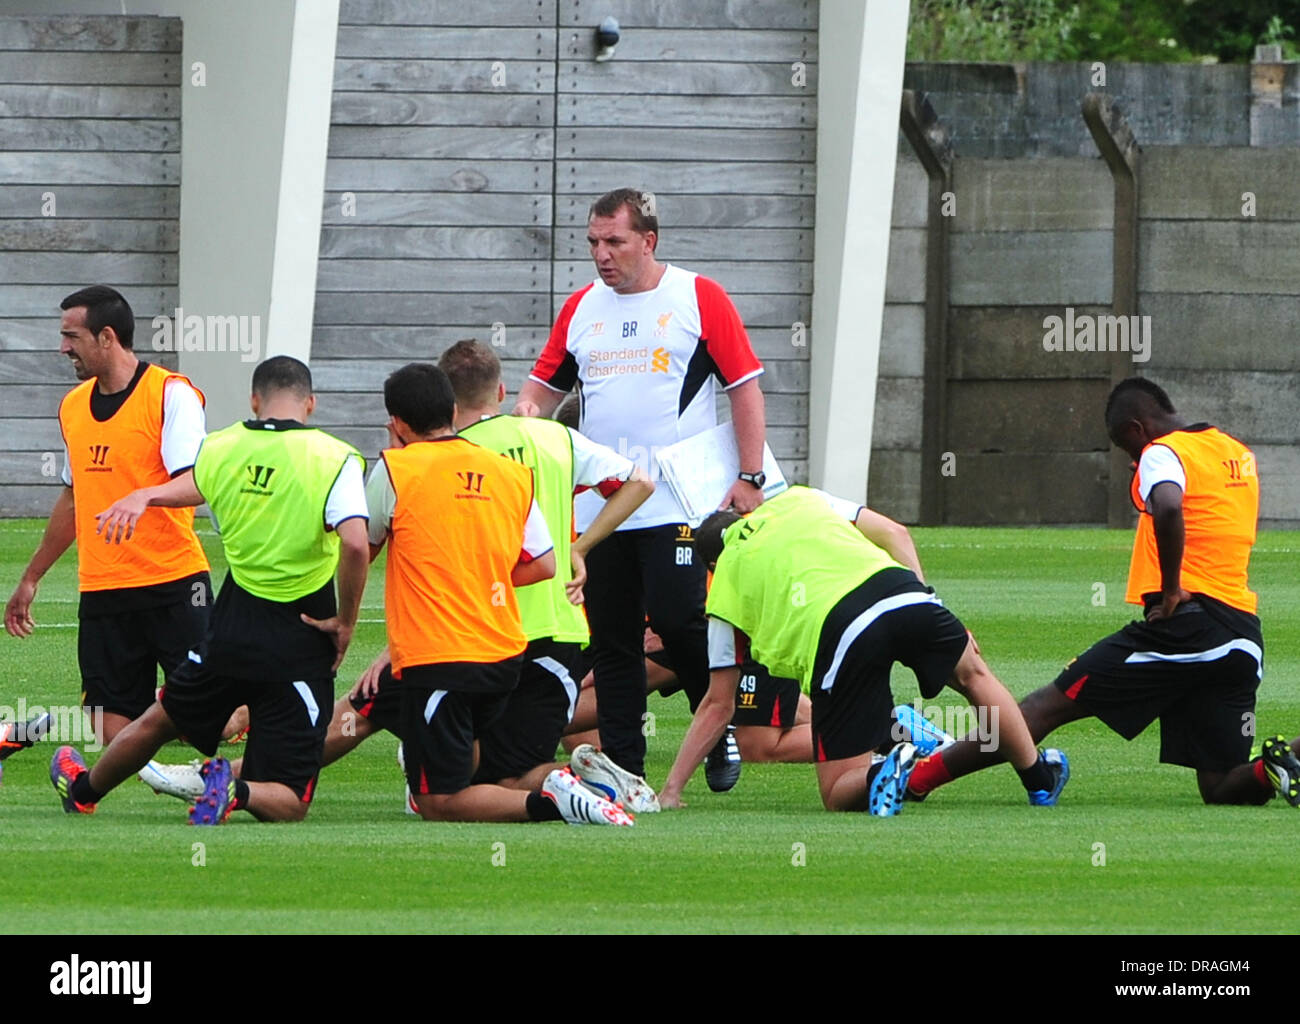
{"points": [[623, 256], [79, 345]]}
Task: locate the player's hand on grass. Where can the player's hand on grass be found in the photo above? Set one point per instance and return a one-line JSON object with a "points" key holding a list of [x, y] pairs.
{"points": [[341, 634], [117, 522], [670, 801], [18, 612], [368, 684], [1168, 604], [573, 589]]}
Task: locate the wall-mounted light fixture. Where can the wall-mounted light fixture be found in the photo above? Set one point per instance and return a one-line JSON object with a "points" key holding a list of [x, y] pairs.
{"points": [[607, 38]]}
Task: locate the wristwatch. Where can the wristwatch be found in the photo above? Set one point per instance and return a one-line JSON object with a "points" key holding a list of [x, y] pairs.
{"points": [[757, 479]]}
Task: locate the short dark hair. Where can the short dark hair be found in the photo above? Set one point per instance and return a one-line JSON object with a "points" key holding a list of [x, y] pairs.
{"points": [[420, 395], [642, 208], [474, 371], [708, 535], [1129, 396], [569, 412], [105, 307], [282, 373]]}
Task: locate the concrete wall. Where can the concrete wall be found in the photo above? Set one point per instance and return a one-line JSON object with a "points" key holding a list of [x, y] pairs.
{"points": [[1029, 240], [894, 484], [1032, 110], [1222, 291], [1031, 237]]}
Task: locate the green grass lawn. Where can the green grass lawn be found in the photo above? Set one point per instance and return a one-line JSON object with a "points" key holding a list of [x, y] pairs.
{"points": [[765, 857]]}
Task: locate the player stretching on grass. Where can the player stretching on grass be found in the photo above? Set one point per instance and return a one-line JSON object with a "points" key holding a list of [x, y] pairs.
{"points": [[290, 503], [518, 749], [817, 600], [1196, 659], [771, 722], [463, 530]]}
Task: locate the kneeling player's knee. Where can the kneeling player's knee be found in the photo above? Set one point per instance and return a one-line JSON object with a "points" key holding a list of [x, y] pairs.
{"points": [[970, 672], [280, 810], [1047, 708], [296, 811], [757, 743], [435, 806]]}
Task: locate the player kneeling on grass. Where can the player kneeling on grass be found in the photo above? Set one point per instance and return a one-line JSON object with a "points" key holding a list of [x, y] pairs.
{"points": [[291, 507], [1196, 658], [463, 531], [817, 600], [518, 749], [772, 721]]}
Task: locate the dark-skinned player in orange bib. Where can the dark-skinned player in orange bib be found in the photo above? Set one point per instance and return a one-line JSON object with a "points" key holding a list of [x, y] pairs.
{"points": [[1196, 658]]}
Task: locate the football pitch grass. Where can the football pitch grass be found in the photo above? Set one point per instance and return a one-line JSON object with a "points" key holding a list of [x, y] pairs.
{"points": [[1130, 848]]}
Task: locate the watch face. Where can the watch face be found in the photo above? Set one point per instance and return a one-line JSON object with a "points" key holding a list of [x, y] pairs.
{"points": [[757, 479]]}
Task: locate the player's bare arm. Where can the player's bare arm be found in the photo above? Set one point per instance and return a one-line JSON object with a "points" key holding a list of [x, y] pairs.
{"points": [[534, 571], [890, 536], [537, 400], [354, 562], [711, 718], [1166, 504], [60, 532], [117, 522], [749, 420], [618, 506]]}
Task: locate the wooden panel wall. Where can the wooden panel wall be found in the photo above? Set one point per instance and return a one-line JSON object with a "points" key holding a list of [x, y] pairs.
{"points": [[89, 194], [713, 107], [437, 218], [471, 140]]}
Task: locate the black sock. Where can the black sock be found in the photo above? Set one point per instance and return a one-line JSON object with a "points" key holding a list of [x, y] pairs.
{"points": [[241, 795], [1036, 776], [539, 808], [83, 792]]}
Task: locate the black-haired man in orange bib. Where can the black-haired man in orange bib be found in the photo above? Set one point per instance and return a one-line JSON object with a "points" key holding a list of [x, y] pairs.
{"points": [[129, 424]]}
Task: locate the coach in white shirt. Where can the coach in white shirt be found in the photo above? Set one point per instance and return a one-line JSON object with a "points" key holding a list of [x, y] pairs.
{"points": [[647, 341]]}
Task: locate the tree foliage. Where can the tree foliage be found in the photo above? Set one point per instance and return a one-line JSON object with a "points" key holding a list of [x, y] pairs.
{"points": [[1088, 30]]}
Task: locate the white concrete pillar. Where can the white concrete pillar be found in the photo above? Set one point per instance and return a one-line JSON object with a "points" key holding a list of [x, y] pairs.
{"points": [[861, 52]]}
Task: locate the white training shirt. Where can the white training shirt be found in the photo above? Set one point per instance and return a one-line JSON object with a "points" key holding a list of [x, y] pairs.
{"points": [[1158, 465], [647, 363]]}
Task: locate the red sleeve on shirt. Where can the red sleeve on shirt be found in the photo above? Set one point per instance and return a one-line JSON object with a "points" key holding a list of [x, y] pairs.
{"points": [[555, 366], [742, 647], [724, 334], [608, 487]]}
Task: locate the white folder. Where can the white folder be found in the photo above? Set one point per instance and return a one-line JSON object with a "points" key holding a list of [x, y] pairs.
{"points": [[701, 469]]}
